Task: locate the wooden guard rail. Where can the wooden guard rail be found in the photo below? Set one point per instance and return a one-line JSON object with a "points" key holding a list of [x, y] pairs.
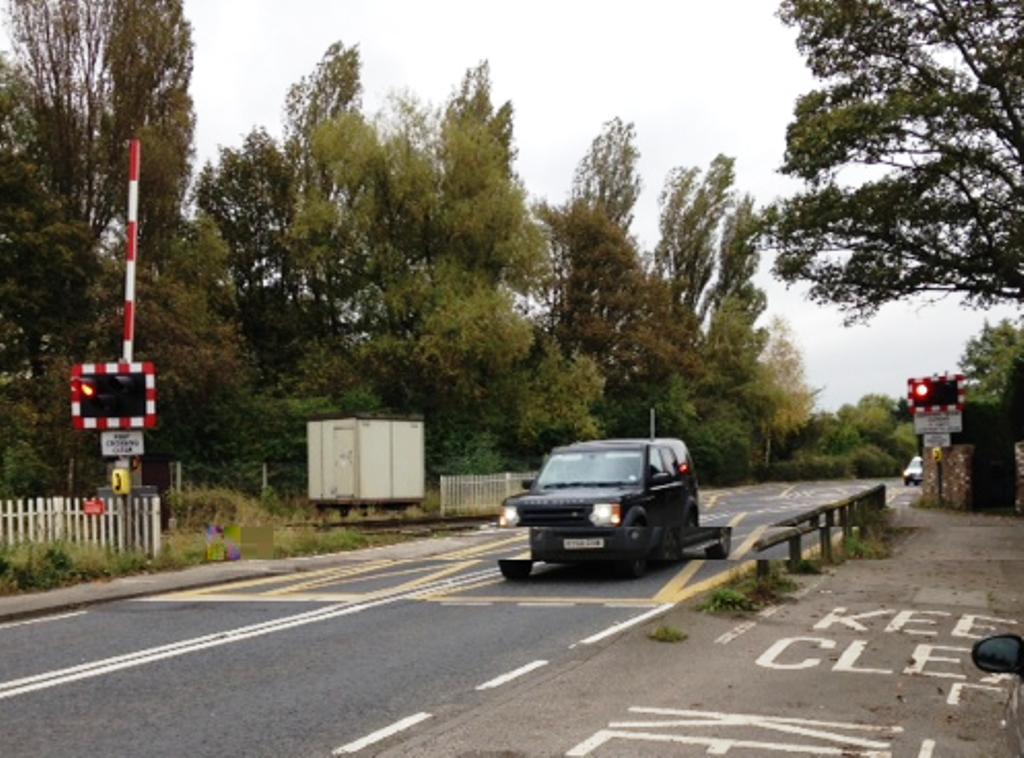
{"points": [[852, 512]]}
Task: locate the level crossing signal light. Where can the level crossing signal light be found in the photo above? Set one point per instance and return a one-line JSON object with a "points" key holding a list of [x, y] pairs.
{"points": [[113, 396], [937, 392]]}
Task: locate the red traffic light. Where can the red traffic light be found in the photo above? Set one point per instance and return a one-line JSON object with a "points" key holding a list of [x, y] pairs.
{"points": [[922, 390], [86, 388]]}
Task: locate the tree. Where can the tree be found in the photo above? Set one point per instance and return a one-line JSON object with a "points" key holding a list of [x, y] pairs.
{"points": [[250, 195], [599, 302], [912, 150], [706, 250], [102, 72], [607, 179], [45, 309], [331, 90], [989, 358], [792, 399]]}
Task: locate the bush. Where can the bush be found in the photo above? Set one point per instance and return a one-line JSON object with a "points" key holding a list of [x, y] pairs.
{"points": [[811, 467], [870, 462], [23, 472]]}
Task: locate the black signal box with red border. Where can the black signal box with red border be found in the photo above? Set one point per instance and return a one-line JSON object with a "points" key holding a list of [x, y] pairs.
{"points": [[113, 396], [937, 394]]}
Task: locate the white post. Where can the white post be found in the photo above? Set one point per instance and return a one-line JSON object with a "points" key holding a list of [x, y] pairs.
{"points": [[265, 477], [155, 515], [177, 476], [122, 521], [101, 524], [136, 526], [58, 518]]}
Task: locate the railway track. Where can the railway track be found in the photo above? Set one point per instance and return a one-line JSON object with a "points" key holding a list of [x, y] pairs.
{"points": [[398, 524]]}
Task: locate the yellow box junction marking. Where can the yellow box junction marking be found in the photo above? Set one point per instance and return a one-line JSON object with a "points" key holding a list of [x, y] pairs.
{"points": [[748, 543], [347, 576], [283, 578], [674, 586], [478, 550]]}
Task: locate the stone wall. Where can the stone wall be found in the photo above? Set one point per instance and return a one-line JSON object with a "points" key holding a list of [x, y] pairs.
{"points": [[956, 476], [1019, 456]]}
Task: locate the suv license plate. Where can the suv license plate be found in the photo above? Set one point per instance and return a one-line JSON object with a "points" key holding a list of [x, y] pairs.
{"points": [[583, 544]]}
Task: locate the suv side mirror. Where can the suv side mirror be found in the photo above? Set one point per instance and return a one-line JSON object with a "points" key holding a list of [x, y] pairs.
{"points": [[527, 484], [662, 477], [1002, 654]]}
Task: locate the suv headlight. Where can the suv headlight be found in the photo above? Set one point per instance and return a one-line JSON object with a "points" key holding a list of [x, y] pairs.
{"points": [[606, 514], [509, 516]]}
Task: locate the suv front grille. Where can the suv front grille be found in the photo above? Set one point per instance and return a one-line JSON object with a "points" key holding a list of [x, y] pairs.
{"points": [[554, 515]]}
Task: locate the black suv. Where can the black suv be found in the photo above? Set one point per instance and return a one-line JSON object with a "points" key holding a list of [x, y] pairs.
{"points": [[626, 500]]}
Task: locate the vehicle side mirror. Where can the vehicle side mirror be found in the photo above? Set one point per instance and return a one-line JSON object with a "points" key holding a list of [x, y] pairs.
{"points": [[527, 484], [1002, 654], [662, 477]]}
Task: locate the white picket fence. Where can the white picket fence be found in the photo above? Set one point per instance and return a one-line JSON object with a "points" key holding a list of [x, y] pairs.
{"points": [[131, 523], [471, 495]]}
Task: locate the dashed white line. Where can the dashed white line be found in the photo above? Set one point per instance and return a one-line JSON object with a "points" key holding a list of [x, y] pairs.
{"points": [[626, 624], [927, 749], [12, 624], [735, 632], [504, 678], [381, 734]]}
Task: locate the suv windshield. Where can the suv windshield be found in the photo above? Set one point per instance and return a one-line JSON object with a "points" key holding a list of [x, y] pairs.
{"points": [[597, 468]]}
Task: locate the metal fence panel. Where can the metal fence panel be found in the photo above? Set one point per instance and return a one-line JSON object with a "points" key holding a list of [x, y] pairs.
{"points": [[473, 494]]}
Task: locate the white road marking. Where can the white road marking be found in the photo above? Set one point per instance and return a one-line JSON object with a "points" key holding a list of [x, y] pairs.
{"points": [[957, 687], [12, 624], [28, 684], [466, 603], [380, 734], [927, 749], [504, 678], [831, 738], [746, 626], [735, 632], [627, 624]]}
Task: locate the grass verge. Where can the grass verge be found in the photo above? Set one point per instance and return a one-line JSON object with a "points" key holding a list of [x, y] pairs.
{"points": [[749, 593], [27, 568]]}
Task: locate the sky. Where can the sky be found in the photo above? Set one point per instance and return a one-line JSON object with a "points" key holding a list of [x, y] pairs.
{"points": [[696, 78]]}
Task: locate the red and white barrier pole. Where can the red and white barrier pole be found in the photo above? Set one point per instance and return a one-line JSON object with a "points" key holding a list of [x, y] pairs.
{"points": [[134, 159]]}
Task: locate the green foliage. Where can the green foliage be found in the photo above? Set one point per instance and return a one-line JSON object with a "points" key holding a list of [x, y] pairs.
{"points": [[102, 73], [871, 462], [857, 547], [23, 472], [727, 600], [926, 98], [805, 566], [810, 467], [665, 633], [989, 358]]}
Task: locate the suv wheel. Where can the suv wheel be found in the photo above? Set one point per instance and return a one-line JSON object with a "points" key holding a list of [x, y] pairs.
{"points": [[633, 569], [516, 571]]}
